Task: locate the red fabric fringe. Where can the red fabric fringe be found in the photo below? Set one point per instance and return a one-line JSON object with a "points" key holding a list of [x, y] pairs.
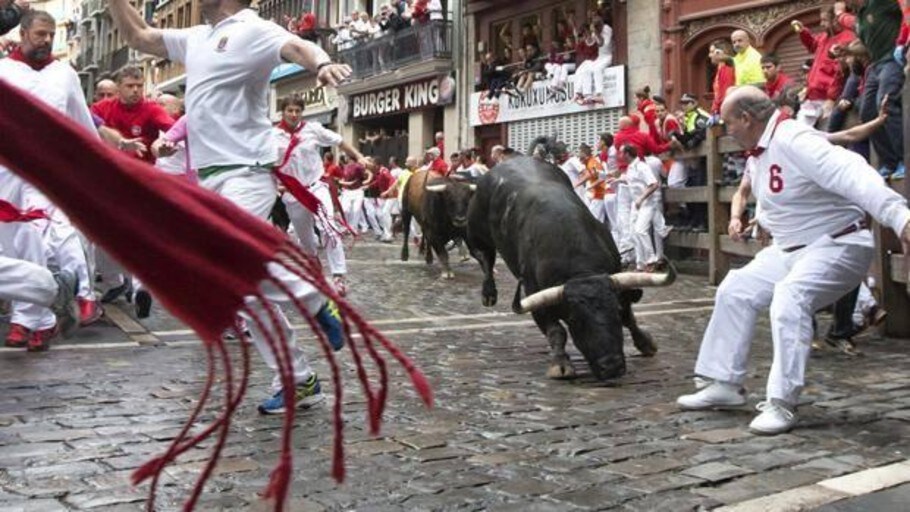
{"points": [[203, 258]]}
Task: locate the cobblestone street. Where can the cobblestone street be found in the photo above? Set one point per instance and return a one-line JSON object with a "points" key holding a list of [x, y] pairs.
{"points": [[75, 421]]}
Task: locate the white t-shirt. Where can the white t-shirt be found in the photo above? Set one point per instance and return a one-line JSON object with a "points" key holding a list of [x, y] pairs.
{"points": [[606, 49], [305, 162], [808, 188], [434, 7], [640, 176], [227, 81], [573, 169]]}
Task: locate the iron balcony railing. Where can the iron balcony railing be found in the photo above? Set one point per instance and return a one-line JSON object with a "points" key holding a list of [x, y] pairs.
{"points": [[426, 41]]}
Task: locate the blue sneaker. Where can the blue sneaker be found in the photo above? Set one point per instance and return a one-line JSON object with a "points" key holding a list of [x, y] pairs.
{"points": [[885, 172], [306, 395], [900, 173], [329, 319]]}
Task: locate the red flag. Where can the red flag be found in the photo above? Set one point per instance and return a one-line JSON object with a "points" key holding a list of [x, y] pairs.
{"points": [[199, 254]]}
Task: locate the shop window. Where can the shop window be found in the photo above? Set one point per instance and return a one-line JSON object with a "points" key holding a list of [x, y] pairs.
{"points": [[530, 31], [502, 40]]}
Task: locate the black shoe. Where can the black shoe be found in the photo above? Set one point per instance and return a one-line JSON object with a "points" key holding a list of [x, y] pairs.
{"points": [[143, 301], [115, 292]]}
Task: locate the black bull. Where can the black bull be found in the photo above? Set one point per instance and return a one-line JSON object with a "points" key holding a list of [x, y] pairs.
{"points": [[566, 262], [440, 206]]}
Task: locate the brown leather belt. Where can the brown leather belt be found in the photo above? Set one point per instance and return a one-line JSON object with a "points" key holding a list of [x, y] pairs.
{"points": [[852, 228]]}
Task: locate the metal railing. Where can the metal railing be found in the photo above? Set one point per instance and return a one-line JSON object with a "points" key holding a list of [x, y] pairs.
{"points": [[426, 41]]}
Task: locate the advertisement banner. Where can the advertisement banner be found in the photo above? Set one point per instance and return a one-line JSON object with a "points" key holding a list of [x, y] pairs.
{"points": [[432, 92], [540, 102]]}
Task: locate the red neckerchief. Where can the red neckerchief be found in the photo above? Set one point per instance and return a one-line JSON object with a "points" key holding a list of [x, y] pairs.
{"points": [[9, 213], [17, 54], [287, 128], [758, 150]]}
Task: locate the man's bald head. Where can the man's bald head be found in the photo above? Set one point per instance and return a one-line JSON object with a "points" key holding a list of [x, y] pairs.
{"points": [[172, 104], [105, 89], [741, 41], [625, 122], [746, 111]]}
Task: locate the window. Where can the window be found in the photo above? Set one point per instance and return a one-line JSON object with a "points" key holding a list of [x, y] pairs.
{"points": [[501, 33], [530, 31]]}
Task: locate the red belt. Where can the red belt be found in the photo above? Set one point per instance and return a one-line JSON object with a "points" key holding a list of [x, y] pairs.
{"points": [[852, 228]]}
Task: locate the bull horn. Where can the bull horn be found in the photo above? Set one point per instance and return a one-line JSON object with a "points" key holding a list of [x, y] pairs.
{"points": [[632, 280], [542, 299], [436, 188], [473, 187]]}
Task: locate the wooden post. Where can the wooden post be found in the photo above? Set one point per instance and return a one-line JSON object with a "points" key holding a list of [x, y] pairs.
{"points": [[718, 215], [895, 294]]}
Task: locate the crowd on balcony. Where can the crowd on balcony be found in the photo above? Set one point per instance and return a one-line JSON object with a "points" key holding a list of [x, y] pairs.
{"points": [[580, 50]]}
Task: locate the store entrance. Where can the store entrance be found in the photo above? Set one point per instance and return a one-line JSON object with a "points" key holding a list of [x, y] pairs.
{"points": [[384, 137]]}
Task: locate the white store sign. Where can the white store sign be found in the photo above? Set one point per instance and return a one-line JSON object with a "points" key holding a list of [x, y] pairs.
{"points": [[539, 102]]}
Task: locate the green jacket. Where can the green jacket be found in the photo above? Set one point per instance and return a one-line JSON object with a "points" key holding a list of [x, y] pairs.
{"points": [[878, 24]]}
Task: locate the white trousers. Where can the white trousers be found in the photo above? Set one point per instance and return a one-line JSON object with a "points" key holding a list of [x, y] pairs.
{"points": [[24, 277], [66, 252], [352, 204], [558, 74], [596, 206], [642, 220], [304, 223], [810, 111], [678, 175], [610, 212], [253, 189], [589, 78], [794, 285], [373, 208], [624, 218]]}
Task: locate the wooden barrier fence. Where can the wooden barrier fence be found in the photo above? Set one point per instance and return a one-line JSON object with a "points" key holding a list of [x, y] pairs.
{"points": [[892, 283]]}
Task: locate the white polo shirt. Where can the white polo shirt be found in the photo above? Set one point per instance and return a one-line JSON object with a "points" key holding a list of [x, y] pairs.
{"points": [[227, 81], [640, 176], [808, 188], [305, 163]]}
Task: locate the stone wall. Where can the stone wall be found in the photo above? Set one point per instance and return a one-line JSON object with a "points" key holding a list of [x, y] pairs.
{"points": [[643, 30]]}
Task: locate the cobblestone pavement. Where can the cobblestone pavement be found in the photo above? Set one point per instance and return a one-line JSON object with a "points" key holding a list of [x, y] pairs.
{"points": [[76, 420]]}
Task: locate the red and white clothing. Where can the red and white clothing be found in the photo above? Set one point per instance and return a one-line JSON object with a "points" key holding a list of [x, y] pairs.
{"points": [[145, 119], [305, 164], [724, 78], [809, 192], [824, 81], [774, 87], [227, 76], [177, 164], [589, 76]]}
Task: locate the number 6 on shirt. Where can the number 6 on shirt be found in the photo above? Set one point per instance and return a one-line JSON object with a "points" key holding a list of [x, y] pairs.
{"points": [[776, 183]]}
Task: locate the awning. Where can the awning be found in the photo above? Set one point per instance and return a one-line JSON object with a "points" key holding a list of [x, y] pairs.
{"points": [[172, 85], [284, 71]]}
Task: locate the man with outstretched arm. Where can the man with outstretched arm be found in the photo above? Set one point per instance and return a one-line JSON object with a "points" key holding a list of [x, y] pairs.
{"points": [[813, 198], [228, 62]]}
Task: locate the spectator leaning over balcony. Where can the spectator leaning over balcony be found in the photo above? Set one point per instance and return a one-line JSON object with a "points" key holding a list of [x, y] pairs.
{"points": [[721, 55], [589, 78], [746, 60], [878, 26], [775, 79], [822, 85], [10, 12], [343, 38]]}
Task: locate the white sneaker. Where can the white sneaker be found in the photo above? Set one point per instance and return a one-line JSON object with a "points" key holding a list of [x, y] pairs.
{"points": [[775, 418], [717, 395]]}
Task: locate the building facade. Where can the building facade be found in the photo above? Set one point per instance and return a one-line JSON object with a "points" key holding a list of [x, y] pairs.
{"points": [[689, 26], [500, 27], [404, 86]]}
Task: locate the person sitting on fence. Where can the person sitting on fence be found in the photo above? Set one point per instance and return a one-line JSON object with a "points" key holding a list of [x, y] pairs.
{"points": [[589, 78], [721, 54], [557, 69], [814, 200], [822, 87], [533, 67], [493, 78]]}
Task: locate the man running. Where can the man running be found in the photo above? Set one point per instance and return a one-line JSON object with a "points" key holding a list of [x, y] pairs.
{"points": [[231, 145]]}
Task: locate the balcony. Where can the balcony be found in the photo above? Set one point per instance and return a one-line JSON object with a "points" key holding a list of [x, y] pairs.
{"points": [[116, 59], [92, 8], [392, 52]]}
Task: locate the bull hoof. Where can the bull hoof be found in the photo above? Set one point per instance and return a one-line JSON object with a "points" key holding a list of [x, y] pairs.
{"points": [[561, 371], [645, 344], [489, 301]]}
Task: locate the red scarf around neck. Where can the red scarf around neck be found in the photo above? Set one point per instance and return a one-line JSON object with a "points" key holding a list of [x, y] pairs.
{"points": [[287, 128], [9, 213], [36, 65]]}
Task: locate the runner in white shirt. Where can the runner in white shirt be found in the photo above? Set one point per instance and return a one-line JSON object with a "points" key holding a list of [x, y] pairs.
{"points": [[32, 68], [814, 198], [305, 164], [642, 186], [231, 144], [572, 166]]}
